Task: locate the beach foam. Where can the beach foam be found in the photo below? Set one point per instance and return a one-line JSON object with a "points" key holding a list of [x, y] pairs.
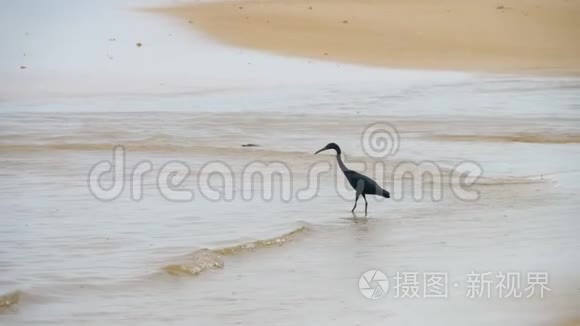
{"points": [[207, 259], [9, 300]]}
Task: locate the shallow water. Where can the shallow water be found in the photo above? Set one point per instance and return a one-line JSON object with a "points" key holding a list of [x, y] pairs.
{"points": [[77, 259], [68, 258]]}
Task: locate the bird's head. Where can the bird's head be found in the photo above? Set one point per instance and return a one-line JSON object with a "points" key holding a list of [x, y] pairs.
{"points": [[330, 146]]}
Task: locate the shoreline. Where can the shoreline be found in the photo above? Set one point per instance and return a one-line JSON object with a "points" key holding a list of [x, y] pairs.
{"points": [[530, 37]]}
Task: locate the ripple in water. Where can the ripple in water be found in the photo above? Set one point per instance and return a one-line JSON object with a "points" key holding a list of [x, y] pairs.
{"points": [[207, 259], [9, 300]]}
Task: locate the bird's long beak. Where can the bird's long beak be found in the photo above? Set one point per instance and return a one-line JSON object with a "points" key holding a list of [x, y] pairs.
{"points": [[320, 150]]}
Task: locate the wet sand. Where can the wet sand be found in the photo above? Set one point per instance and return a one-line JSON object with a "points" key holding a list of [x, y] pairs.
{"points": [[533, 36]]}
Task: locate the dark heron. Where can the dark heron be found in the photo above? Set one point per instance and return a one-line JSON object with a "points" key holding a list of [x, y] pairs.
{"points": [[361, 183]]}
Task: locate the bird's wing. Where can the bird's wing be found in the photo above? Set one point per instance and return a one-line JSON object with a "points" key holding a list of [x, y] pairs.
{"points": [[368, 180], [368, 186], [354, 178]]}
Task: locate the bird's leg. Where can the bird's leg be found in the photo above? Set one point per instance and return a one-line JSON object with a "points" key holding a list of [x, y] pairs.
{"points": [[355, 201], [366, 204]]}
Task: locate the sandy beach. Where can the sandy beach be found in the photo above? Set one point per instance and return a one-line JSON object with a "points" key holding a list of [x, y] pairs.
{"points": [[532, 36]]}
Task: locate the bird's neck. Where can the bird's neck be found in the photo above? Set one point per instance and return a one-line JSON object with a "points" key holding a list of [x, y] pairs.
{"points": [[341, 163]]}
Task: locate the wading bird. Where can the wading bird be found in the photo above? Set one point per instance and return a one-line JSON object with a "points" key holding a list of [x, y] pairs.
{"points": [[361, 183]]}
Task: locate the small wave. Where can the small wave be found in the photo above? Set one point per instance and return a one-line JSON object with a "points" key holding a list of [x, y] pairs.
{"points": [[133, 146], [207, 259], [196, 263], [516, 138], [511, 181], [142, 146], [7, 301], [259, 244]]}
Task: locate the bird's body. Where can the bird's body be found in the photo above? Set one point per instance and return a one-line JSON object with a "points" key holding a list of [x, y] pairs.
{"points": [[368, 185], [362, 184]]}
